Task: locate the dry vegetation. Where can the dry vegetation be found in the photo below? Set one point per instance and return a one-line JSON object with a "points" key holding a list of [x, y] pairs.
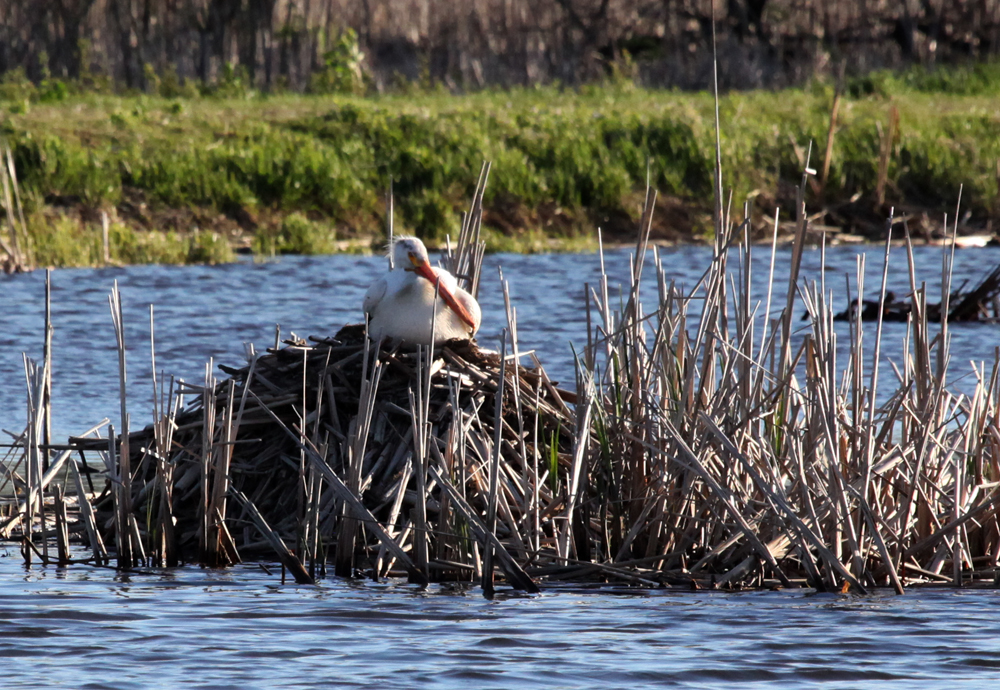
{"points": [[706, 446]]}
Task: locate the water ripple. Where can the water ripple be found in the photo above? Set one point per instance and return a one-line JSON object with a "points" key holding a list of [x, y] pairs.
{"points": [[241, 629]]}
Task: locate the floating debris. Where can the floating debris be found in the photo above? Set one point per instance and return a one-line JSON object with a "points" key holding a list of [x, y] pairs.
{"points": [[980, 304]]}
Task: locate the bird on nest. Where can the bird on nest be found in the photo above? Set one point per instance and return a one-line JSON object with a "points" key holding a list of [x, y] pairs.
{"points": [[415, 299]]}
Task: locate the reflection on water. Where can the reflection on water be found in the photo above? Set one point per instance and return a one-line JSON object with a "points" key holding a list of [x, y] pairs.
{"points": [[240, 628], [204, 312]]}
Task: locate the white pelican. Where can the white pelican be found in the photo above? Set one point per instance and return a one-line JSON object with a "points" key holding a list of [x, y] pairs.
{"points": [[401, 303]]}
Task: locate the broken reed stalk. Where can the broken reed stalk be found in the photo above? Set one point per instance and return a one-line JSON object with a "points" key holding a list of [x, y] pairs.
{"points": [[165, 405], [122, 455], [46, 402], [494, 465]]}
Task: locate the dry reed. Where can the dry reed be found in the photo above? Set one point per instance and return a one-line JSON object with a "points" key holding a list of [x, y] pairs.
{"points": [[707, 445]]}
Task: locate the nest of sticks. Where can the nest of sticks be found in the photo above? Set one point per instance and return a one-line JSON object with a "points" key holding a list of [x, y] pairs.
{"points": [[328, 451]]}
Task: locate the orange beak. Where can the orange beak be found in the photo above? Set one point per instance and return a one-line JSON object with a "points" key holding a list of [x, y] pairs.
{"points": [[424, 269]]}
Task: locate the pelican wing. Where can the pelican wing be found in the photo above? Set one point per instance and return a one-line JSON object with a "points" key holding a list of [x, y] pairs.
{"points": [[374, 295]]}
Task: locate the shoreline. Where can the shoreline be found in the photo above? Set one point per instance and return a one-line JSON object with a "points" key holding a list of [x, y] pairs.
{"points": [[80, 244]]}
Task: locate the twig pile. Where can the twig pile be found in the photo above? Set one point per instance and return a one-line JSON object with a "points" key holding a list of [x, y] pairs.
{"points": [[293, 423]]}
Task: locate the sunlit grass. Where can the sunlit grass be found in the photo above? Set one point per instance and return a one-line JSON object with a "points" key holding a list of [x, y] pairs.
{"points": [[62, 241], [331, 158]]}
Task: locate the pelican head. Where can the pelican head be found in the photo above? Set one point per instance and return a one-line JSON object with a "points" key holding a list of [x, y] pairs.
{"points": [[409, 254]]}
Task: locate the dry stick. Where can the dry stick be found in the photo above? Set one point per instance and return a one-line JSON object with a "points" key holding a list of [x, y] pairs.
{"points": [[39, 460], [352, 501], [798, 245], [208, 404], [397, 505], [580, 444], [873, 380], [536, 526], [518, 407], [947, 265], [47, 371], [726, 499], [390, 222], [87, 517], [32, 471], [419, 514], [316, 484], [717, 187], [420, 418], [221, 549], [125, 555], [516, 576], [113, 472], [466, 262], [62, 532], [922, 447], [491, 503], [304, 496], [287, 558], [164, 549]]}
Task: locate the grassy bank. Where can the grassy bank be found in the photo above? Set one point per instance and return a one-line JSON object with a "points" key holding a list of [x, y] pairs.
{"points": [[299, 173]]}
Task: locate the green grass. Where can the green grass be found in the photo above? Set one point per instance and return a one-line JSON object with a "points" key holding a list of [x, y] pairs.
{"points": [[295, 235], [62, 241], [313, 168]]}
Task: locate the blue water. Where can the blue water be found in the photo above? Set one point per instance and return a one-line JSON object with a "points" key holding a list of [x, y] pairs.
{"points": [[241, 628]]}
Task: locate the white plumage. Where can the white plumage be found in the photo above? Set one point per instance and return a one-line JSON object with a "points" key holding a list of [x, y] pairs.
{"points": [[401, 303]]}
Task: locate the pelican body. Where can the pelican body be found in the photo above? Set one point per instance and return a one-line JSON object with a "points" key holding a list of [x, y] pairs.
{"points": [[402, 305]]}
